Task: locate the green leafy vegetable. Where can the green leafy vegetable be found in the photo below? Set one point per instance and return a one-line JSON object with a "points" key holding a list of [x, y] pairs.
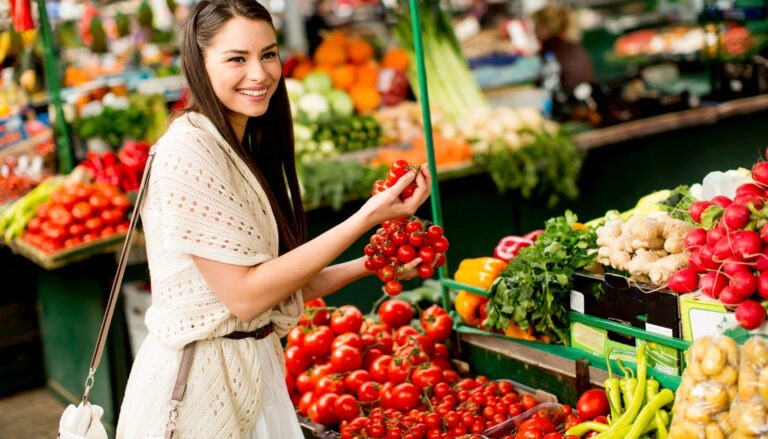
{"points": [[534, 289], [678, 202], [548, 163]]}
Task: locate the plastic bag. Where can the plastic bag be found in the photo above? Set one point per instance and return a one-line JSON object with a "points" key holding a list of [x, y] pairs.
{"points": [[707, 389], [750, 409]]}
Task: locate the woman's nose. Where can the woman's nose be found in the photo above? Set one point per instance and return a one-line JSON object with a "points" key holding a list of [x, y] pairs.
{"points": [[256, 71]]}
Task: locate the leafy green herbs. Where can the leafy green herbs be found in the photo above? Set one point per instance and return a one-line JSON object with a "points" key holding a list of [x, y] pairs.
{"points": [[548, 163], [535, 288]]}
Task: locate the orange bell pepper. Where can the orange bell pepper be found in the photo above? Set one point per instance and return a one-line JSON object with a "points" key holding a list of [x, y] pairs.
{"points": [[478, 272], [515, 331]]}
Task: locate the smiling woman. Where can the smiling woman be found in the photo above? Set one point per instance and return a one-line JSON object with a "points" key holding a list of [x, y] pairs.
{"points": [[225, 232]]}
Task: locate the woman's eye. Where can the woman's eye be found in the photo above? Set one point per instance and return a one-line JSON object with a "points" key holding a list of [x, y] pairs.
{"points": [[237, 59], [269, 55]]}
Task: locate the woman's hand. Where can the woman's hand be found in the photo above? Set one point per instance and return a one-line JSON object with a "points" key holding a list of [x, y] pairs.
{"points": [[387, 204]]}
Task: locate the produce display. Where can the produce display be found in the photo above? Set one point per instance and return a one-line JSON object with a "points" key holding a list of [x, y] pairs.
{"points": [[685, 40]]}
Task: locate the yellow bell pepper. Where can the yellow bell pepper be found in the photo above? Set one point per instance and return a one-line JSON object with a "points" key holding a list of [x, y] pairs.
{"points": [[515, 331], [478, 272]]}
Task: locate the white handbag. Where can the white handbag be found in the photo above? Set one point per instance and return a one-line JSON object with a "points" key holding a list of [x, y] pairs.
{"points": [[85, 421]]}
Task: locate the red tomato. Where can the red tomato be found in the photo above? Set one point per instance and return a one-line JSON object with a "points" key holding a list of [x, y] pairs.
{"points": [[326, 413], [542, 424], [59, 215], [82, 210], [427, 377], [368, 392], [33, 225], [330, 384], [592, 404], [94, 224], [112, 216], [380, 368], [553, 435], [296, 360], [295, 336], [304, 382], [346, 407], [347, 339], [346, 358], [405, 396], [395, 313], [530, 433], [318, 341], [440, 328], [120, 201], [347, 318], [305, 402], [99, 202], [315, 309], [529, 402], [393, 288]]}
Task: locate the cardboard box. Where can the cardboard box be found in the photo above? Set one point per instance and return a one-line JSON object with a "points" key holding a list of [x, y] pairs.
{"points": [[646, 307], [598, 341], [702, 315]]}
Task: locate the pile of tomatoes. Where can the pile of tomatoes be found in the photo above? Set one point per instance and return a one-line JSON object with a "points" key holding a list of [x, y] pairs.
{"points": [[78, 213], [387, 378]]}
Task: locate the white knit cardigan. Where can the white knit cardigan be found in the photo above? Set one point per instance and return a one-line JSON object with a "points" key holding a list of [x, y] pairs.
{"points": [[202, 201]]}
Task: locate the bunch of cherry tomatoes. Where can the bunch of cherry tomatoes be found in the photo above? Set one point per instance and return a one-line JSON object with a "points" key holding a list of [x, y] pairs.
{"points": [[389, 378], [401, 240]]}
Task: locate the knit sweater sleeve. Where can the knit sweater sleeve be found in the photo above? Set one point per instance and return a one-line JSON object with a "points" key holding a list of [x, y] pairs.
{"points": [[204, 202]]}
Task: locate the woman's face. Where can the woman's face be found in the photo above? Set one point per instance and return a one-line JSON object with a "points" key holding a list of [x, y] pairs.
{"points": [[244, 68]]}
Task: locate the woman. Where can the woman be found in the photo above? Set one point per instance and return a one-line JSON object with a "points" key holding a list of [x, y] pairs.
{"points": [[225, 233], [552, 26]]}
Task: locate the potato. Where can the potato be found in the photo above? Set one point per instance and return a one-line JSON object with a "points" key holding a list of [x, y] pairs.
{"points": [[717, 399], [725, 423], [755, 351], [730, 349], [713, 431], [713, 361], [762, 384], [748, 382], [686, 430], [697, 350], [752, 420], [727, 377], [694, 371], [698, 413]]}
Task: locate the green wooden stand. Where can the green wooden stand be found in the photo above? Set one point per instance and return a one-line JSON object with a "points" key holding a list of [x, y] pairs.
{"points": [[72, 302]]}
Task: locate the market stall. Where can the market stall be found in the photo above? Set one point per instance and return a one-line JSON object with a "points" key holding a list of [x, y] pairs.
{"points": [[513, 340]]}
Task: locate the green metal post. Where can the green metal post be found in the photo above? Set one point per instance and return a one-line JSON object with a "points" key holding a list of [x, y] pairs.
{"points": [[62, 139], [437, 215]]}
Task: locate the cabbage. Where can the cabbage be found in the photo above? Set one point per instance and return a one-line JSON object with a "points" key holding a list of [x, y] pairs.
{"points": [[314, 107], [295, 89], [341, 103], [319, 82]]}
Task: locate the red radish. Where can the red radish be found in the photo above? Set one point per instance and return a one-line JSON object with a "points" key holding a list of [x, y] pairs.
{"points": [[764, 233], [707, 257], [736, 216], [695, 238], [743, 283], [750, 314], [715, 233], [721, 200], [712, 283], [734, 264], [694, 261], [724, 248], [749, 188], [684, 280], [761, 263], [760, 172], [757, 200], [729, 297], [762, 285], [747, 245], [697, 208]]}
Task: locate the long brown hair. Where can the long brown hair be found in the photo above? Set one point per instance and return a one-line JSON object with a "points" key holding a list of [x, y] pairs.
{"points": [[271, 157]]}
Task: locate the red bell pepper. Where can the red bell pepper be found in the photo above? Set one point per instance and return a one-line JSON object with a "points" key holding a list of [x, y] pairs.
{"points": [[509, 246]]}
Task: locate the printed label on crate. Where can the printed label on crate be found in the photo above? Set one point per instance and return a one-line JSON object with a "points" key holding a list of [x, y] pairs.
{"points": [[656, 329], [12, 130], [577, 301]]}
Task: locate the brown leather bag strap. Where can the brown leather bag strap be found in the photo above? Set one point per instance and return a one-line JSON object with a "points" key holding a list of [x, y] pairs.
{"points": [[118, 279], [180, 387]]}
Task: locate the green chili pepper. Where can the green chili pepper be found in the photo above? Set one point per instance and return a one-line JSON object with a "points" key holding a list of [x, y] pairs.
{"points": [[586, 427], [648, 412], [620, 426], [627, 384], [612, 390], [652, 387]]}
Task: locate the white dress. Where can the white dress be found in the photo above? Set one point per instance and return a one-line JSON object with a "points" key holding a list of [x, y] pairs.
{"points": [[277, 417]]}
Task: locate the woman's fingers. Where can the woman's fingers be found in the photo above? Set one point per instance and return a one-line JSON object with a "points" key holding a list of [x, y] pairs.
{"points": [[408, 271]]}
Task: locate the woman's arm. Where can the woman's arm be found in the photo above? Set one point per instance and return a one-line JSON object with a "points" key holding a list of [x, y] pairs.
{"points": [[250, 291]]}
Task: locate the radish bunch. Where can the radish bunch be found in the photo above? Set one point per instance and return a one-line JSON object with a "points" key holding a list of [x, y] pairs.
{"points": [[728, 257]]}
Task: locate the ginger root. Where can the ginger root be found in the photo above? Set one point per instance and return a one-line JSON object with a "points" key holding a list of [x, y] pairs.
{"points": [[649, 248]]}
